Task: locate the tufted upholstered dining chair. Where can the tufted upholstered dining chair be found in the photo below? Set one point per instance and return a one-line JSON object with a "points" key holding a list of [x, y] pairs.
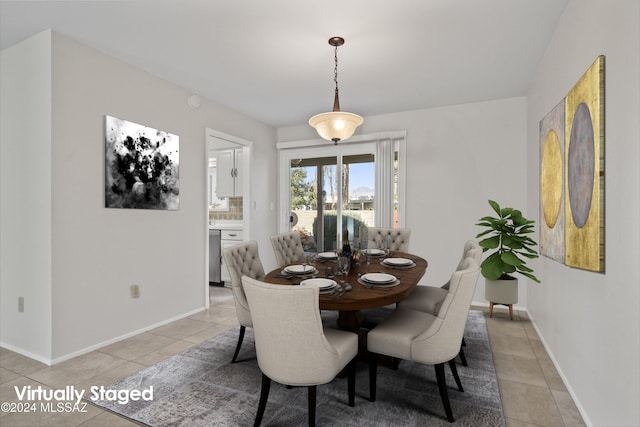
{"points": [[428, 298], [242, 260], [287, 248], [377, 236], [292, 346], [426, 338]]}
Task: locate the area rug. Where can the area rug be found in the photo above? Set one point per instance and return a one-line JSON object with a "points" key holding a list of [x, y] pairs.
{"points": [[199, 387]]}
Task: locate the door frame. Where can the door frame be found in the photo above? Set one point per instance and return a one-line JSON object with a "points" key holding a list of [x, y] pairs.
{"points": [[288, 151], [215, 139]]}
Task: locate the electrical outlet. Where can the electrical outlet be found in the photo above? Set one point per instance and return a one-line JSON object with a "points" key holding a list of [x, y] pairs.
{"points": [[20, 304], [135, 291]]}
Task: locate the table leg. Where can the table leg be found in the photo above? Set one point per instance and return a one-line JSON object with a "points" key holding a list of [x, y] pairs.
{"points": [[350, 320]]}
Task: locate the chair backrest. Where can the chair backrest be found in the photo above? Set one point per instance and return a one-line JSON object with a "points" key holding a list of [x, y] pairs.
{"points": [[287, 248], [440, 342], [471, 249], [243, 259], [290, 342], [399, 237]]}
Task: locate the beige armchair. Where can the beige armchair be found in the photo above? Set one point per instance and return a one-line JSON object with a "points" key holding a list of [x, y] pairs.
{"points": [[242, 260], [292, 346], [399, 238], [287, 248], [425, 338]]}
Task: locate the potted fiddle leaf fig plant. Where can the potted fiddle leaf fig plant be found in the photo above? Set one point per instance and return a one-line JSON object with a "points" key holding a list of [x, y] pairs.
{"points": [[506, 238]]}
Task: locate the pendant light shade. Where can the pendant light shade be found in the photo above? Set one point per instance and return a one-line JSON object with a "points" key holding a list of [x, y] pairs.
{"points": [[336, 125]]}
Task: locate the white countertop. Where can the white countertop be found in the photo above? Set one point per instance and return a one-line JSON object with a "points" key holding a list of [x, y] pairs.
{"points": [[225, 225]]}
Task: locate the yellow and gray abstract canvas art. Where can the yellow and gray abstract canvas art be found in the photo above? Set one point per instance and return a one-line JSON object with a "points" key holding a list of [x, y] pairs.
{"points": [[552, 218], [584, 171], [572, 175]]}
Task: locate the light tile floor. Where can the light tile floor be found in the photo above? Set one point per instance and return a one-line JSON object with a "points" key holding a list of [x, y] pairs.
{"points": [[532, 392]]}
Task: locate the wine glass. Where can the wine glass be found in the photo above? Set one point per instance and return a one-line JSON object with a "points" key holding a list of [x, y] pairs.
{"points": [[328, 271], [344, 264], [311, 259], [365, 261]]}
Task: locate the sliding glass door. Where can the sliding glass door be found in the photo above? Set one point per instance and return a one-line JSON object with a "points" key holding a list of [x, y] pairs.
{"points": [[329, 195], [326, 190]]}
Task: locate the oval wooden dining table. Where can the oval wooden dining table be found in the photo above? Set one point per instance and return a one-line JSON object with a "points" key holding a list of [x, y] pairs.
{"points": [[350, 304]]}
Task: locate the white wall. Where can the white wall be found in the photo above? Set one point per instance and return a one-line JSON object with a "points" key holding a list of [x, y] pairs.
{"points": [[590, 321], [25, 202], [458, 157], [97, 253]]}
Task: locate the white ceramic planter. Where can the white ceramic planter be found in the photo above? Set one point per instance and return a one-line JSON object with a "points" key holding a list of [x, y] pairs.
{"points": [[501, 291]]}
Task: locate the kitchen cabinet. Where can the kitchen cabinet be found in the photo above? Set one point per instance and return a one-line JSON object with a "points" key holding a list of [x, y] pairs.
{"points": [[229, 173], [229, 237]]}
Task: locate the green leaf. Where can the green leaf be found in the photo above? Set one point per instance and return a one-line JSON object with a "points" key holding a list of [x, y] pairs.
{"points": [[526, 229], [484, 233], [511, 259], [495, 206], [530, 276], [492, 268], [511, 242], [508, 268], [490, 243], [505, 212], [523, 267], [500, 222]]}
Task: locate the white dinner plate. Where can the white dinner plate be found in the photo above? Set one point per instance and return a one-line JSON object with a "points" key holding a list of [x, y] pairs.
{"points": [[328, 255], [299, 269], [378, 285], [378, 278], [374, 252], [323, 284], [398, 262]]}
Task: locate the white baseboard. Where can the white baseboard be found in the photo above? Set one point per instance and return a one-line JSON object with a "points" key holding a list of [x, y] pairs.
{"points": [[549, 352], [89, 349], [583, 413], [26, 353]]}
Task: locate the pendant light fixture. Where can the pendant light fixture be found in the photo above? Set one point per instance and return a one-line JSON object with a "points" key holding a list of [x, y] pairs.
{"points": [[336, 125]]}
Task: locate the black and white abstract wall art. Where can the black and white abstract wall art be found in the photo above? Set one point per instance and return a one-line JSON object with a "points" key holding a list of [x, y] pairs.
{"points": [[141, 166]]}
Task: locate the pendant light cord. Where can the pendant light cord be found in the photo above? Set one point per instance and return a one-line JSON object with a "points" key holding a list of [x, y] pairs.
{"points": [[336, 101]]}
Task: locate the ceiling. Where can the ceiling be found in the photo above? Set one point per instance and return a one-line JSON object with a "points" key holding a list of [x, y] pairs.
{"points": [[270, 59]]}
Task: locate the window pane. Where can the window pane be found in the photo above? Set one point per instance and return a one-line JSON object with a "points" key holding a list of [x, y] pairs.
{"points": [[308, 179], [358, 190]]}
